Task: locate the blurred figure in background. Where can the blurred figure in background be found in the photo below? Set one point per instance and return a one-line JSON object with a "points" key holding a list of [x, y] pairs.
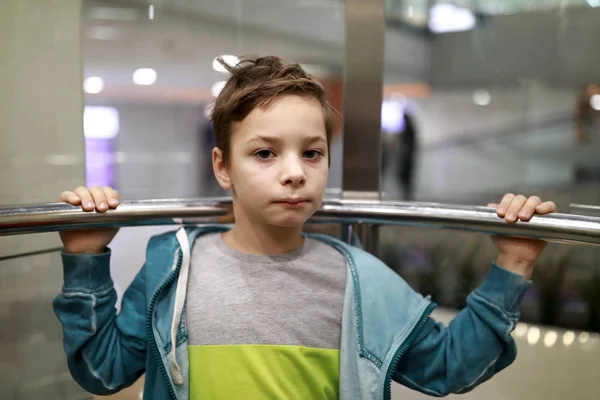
{"points": [[406, 157], [399, 146]]}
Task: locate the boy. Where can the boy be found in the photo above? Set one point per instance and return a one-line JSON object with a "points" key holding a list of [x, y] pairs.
{"points": [[261, 310]]}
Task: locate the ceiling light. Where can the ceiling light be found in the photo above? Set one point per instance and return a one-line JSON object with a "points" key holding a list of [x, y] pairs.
{"points": [[594, 3], [595, 100], [100, 122], [93, 85], [217, 87], [446, 18], [482, 97], [230, 60], [144, 76]]}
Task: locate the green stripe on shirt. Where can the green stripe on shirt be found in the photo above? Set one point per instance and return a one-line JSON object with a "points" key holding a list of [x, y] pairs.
{"points": [[263, 372]]}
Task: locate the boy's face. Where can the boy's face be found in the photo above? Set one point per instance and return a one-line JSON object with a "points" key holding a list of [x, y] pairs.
{"points": [[278, 165]]}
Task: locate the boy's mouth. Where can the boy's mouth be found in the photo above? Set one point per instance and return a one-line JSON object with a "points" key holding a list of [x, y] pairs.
{"points": [[293, 201]]}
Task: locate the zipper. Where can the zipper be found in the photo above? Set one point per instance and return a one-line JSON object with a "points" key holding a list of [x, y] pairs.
{"points": [[387, 388], [154, 348]]}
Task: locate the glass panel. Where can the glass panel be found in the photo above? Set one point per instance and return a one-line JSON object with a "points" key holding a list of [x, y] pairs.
{"points": [[498, 100], [414, 13], [560, 313], [41, 141], [489, 115], [32, 359], [149, 77]]}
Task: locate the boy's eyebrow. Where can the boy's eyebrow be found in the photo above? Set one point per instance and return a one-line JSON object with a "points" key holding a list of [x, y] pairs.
{"points": [[275, 140], [316, 138], [262, 138]]}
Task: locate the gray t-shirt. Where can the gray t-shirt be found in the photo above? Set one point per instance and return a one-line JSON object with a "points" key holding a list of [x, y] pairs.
{"points": [[290, 299], [263, 327]]}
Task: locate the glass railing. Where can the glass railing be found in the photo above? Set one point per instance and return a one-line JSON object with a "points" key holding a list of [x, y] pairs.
{"points": [[32, 361], [559, 313], [480, 166]]}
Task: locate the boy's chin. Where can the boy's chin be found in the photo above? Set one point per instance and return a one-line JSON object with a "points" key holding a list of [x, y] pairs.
{"points": [[289, 222]]}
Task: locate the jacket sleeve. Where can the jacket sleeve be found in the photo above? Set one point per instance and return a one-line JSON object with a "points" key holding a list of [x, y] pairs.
{"points": [[475, 346], [105, 352]]}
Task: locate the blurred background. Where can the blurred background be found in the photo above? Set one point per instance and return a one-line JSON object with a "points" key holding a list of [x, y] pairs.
{"points": [[479, 98]]}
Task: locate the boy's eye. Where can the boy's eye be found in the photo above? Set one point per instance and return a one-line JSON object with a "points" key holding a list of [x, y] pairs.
{"points": [[264, 154], [312, 153]]}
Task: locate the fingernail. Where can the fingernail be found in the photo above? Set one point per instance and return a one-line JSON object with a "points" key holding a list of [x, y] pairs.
{"points": [[523, 214], [102, 205], [500, 210], [89, 204], [510, 216], [113, 202]]}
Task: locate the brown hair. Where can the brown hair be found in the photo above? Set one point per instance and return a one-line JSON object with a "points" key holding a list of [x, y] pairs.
{"points": [[257, 82]]}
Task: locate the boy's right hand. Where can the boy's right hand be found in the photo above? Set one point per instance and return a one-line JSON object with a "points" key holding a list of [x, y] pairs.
{"points": [[89, 241]]}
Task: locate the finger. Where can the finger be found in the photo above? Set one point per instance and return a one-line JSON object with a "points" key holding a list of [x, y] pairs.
{"points": [[99, 198], [504, 204], [87, 202], [528, 209], [112, 197], [514, 208], [546, 208], [70, 198]]}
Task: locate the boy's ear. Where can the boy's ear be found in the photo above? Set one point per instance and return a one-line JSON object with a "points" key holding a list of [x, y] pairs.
{"points": [[220, 169]]}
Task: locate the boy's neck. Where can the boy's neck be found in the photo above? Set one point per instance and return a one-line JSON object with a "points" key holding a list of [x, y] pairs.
{"points": [[261, 240]]}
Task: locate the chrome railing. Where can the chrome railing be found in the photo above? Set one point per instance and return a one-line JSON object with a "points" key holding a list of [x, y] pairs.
{"points": [[569, 228], [586, 207]]}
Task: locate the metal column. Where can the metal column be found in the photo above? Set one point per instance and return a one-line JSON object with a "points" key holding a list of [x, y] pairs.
{"points": [[363, 87]]}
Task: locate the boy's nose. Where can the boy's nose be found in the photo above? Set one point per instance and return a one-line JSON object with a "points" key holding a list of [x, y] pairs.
{"points": [[292, 173]]}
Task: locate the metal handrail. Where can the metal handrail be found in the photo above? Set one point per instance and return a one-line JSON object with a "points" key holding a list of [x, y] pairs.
{"points": [[587, 207], [569, 228]]}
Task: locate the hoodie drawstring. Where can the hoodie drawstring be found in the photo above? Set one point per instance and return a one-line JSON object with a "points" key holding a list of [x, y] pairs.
{"points": [[180, 295]]}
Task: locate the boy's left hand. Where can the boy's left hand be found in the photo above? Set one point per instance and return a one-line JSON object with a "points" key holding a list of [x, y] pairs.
{"points": [[520, 255]]}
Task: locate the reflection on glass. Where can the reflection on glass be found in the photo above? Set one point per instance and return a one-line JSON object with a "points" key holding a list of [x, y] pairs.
{"points": [[568, 338], [550, 338], [533, 335], [584, 337], [521, 329]]}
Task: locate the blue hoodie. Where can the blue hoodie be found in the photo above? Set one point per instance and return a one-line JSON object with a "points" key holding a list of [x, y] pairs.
{"points": [[387, 333]]}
